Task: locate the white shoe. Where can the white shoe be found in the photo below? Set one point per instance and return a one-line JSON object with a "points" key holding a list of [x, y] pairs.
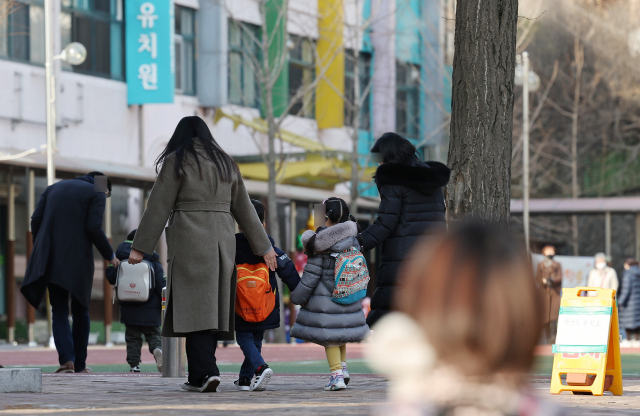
{"points": [[635, 344], [262, 379], [625, 343], [345, 374], [336, 382], [157, 354]]}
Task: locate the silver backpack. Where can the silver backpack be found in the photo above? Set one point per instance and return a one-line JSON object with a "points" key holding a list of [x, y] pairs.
{"points": [[134, 282]]}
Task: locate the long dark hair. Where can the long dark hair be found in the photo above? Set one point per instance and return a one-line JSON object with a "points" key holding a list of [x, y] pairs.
{"points": [[337, 211], [181, 143], [395, 149]]}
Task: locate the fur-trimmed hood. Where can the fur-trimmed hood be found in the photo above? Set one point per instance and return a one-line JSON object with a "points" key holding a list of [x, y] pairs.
{"points": [[328, 237], [422, 176]]}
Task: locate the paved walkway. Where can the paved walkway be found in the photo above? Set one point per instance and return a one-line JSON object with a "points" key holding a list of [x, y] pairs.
{"points": [[108, 394], [101, 394], [606, 405]]}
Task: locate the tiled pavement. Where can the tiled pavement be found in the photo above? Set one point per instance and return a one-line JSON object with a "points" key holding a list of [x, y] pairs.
{"points": [[104, 394], [606, 405], [132, 395]]}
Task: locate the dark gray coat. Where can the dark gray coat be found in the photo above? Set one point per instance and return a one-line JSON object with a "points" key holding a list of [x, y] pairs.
{"points": [[201, 243], [629, 299], [320, 319]]}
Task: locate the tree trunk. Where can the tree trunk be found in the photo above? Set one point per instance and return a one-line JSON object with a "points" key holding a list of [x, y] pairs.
{"points": [[482, 110]]}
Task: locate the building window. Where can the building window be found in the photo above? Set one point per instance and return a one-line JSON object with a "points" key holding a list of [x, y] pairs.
{"points": [[98, 26], [244, 58], [185, 47], [408, 100], [301, 73], [22, 31], [362, 65]]}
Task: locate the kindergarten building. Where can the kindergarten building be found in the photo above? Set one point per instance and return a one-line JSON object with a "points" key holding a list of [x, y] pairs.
{"points": [[118, 109]]}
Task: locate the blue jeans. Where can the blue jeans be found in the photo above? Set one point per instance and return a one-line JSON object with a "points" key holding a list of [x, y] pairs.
{"points": [[251, 345], [71, 345]]}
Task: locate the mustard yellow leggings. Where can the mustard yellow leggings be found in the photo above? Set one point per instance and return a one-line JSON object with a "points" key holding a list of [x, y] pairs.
{"points": [[336, 356]]}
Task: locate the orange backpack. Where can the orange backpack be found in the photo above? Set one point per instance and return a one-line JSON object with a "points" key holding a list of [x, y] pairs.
{"points": [[255, 299]]}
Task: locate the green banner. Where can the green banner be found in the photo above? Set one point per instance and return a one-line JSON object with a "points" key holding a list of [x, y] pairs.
{"points": [[586, 310], [579, 348]]}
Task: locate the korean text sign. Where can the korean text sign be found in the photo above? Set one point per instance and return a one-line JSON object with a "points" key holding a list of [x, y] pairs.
{"points": [[149, 51]]}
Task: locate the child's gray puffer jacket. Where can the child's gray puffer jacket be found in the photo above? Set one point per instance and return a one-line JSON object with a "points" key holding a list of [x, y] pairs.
{"points": [[320, 319]]}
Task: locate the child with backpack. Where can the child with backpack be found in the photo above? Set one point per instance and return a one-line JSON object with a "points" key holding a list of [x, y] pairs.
{"points": [[331, 288], [141, 318], [258, 306]]}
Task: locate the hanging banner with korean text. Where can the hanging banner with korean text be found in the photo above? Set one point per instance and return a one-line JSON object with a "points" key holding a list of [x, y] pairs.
{"points": [[149, 51]]}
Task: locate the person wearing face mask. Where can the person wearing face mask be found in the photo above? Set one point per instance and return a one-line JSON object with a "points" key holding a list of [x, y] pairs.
{"points": [[549, 280], [603, 276]]}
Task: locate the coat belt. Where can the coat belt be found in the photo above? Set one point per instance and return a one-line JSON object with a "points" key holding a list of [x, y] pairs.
{"points": [[203, 206]]}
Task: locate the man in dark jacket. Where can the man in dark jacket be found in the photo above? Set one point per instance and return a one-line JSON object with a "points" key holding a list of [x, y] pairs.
{"points": [[249, 335], [412, 204], [141, 318], [65, 224]]}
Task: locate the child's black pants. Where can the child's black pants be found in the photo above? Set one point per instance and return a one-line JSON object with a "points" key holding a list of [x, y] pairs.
{"points": [[133, 336]]}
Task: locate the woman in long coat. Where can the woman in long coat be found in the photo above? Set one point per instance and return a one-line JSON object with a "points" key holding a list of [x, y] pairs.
{"points": [[629, 300], [200, 192], [411, 205]]}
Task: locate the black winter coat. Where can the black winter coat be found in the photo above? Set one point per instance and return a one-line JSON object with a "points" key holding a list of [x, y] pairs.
{"points": [[412, 204], [66, 222], [147, 313], [286, 270], [629, 299]]}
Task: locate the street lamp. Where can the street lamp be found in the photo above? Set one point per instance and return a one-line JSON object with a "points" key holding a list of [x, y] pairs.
{"points": [[75, 54], [530, 82]]}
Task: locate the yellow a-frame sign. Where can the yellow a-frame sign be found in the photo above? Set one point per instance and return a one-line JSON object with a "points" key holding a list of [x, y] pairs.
{"points": [[587, 345]]}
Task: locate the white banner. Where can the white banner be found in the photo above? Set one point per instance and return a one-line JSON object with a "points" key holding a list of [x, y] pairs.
{"points": [[575, 270]]}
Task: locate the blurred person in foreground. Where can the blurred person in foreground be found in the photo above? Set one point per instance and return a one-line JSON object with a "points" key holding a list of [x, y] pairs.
{"points": [[629, 301], [549, 280], [603, 276], [467, 324]]}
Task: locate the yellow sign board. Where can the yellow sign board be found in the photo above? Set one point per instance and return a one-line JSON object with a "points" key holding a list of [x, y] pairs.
{"points": [[587, 349]]}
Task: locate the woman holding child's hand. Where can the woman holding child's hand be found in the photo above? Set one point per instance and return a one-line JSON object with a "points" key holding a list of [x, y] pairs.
{"points": [[200, 192], [270, 259], [136, 256]]}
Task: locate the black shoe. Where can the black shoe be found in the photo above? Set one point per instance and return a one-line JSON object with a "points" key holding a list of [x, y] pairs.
{"points": [[135, 369], [243, 384], [209, 385], [263, 375]]}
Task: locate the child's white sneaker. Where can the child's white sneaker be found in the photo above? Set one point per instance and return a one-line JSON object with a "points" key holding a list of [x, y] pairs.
{"points": [[263, 375], [336, 382], [345, 373], [157, 355]]}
